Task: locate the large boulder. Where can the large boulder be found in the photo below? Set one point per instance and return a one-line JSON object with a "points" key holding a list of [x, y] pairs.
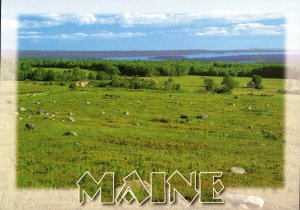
{"points": [[30, 126], [42, 112], [71, 119], [201, 116], [70, 133], [22, 109], [238, 170], [184, 117]]}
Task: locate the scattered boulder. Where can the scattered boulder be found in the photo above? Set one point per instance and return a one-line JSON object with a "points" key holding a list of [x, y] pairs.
{"points": [[137, 124], [250, 127], [238, 170], [231, 104], [249, 107], [52, 101], [22, 109], [71, 119], [70, 133], [88, 103], [37, 103], [42, 112], [184, 117], [126, 113], [30, 126], [244, 201], [103, 112], [201, 116], [70, 113]]}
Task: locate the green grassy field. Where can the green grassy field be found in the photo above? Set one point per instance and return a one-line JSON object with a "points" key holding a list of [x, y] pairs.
{"points": [[152, 137]]}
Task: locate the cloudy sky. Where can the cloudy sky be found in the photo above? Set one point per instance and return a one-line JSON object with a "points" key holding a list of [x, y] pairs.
{"points": [[150, 31]]}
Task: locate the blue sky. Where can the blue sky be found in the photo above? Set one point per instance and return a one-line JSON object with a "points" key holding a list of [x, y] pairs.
{"points": [[150, 31]]}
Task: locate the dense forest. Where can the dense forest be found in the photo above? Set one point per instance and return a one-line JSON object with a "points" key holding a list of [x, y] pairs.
{"points": [[72, 70]]}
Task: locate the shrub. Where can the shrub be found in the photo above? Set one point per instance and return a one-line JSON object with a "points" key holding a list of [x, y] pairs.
{"points": [[223, 89], [257, 80], [78, 74], [103, 76], [73, 86], [230, 82], [112, 70], [115, 82], [163, 120], [209, 85], [92, 76], [125, 83]]}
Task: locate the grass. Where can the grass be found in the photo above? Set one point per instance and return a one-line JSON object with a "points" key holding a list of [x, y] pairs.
{"points": [[152, 137]]}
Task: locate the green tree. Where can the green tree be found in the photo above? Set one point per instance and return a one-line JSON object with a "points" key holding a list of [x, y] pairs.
{"points": [[112, 70], [101, 75], [230, 82], [38, 75], [92, 76], [209, 85], [78, 74], [73, 86], [257, 80]]}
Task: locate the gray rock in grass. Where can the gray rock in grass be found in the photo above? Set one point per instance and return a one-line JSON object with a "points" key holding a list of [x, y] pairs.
{"points": [[70, 133], [71, 119], [30, 126], [201, 116], [22, 109], [238, 170]]}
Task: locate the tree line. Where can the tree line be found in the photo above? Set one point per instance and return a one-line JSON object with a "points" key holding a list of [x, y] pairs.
{"points": [[49, 69]]}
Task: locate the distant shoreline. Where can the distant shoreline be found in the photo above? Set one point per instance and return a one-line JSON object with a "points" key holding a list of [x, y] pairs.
{"points": [[247, 55]]}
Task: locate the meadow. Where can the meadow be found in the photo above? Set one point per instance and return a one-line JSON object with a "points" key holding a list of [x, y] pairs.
{"points": [[121, 130]]}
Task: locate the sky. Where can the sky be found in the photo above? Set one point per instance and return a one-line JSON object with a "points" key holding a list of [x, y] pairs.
{"points": [[150, 31]]}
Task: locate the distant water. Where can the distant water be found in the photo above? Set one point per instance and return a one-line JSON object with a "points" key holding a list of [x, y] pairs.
{"points": [[236, 55]]}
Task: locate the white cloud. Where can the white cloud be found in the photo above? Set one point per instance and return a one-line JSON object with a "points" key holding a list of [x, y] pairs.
{"points": [[53, 19], [142, 18], [29, 32], [242, 29], [53, 16], [79, 35], [38, 24], [109, 35], [131, 19], [213, 31], [258, 29], [86, 19]]}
